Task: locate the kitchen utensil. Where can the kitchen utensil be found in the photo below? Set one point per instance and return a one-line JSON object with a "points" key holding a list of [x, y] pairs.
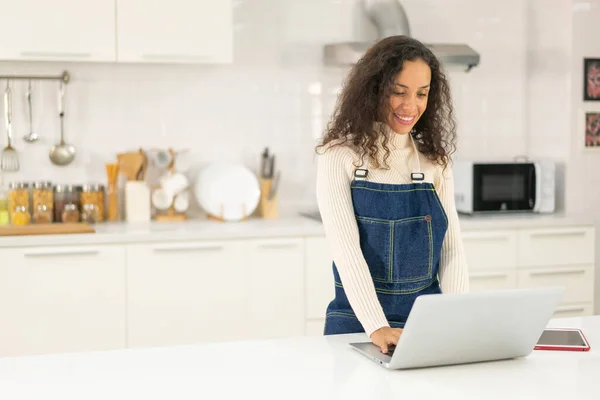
{"points": [[274, 186], [112, 175], [264, 164], [227, 192], [32, 136], [62, 153], [130, 164], [9, 161], [141, 175]]}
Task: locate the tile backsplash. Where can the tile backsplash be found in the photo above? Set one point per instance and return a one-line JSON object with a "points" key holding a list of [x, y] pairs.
{"points": [[277, 93]]}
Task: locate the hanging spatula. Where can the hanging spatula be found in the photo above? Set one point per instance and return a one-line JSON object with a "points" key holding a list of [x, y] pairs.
{"points": [[9, 160]]}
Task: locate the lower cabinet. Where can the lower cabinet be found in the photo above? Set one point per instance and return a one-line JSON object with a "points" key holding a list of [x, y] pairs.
{"points": [[62, 299], [184, 293]]}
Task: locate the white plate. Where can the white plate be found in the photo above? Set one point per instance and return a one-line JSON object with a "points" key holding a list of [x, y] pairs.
{"points": [[229, 191]]}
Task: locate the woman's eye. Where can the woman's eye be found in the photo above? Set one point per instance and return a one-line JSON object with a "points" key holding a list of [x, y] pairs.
{"points": [[422, 94]]}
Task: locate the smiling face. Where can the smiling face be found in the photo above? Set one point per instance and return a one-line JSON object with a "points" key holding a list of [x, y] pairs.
{"points": [[409, 93]]}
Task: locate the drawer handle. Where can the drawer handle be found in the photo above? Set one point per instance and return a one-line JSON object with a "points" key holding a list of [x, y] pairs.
{"points": [[277, 245], [491, 236], [39, 54], [559, 271], [55, 253], [569, 309], [173, 57], [496, 275], [191, 247], [572, 232]]}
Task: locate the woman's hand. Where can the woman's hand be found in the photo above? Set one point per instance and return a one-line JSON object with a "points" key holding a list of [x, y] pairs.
{"points": [[386, 336]]}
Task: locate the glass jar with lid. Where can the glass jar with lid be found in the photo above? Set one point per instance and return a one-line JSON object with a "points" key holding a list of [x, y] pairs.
{"points": [[18, 199], [70, 213], [65, 195], [92, 200], [21, 216], [42, 202]]}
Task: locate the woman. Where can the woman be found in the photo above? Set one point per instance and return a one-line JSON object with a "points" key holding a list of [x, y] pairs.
{"points": [[385, 191]]}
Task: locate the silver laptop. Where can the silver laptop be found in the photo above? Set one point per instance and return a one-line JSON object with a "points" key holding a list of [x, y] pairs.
{"points": [[447, 329]]}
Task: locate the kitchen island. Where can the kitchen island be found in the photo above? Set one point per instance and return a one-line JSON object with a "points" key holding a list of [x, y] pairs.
{"points": [[297, 368]]}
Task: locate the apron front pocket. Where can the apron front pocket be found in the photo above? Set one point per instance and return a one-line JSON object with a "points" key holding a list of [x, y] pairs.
{"points": [[413, 250], [397, 251], [376, 238]]}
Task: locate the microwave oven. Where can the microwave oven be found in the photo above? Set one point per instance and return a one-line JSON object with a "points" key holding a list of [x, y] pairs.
{"points": [[488, 187]]}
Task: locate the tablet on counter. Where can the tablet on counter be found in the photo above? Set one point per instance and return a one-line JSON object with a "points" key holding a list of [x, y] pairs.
{"points": [[566, 339]]}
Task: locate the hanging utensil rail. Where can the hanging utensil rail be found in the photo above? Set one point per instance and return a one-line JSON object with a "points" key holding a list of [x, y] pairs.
{"points": [[65, 77]]}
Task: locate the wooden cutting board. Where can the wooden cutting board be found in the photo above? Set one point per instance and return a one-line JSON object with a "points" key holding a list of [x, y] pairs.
{"points": [[46, 229]]}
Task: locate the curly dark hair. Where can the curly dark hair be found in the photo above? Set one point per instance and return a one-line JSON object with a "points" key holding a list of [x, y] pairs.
{"points": [[365, 99]]}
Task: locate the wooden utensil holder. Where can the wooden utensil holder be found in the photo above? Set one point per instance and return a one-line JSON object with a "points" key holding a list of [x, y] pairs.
{"points": [[268, 207]]}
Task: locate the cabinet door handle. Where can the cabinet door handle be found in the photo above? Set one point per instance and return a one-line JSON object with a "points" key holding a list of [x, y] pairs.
{"points": [[42, 54], [172, 57], [189, 247], [489, 275], [487, 236], [558, 271], [569, 309], [563, 232], [59, 252], [277, 244]]}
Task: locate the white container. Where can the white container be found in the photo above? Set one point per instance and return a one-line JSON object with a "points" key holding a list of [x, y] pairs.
{"points": [[137, 201]]}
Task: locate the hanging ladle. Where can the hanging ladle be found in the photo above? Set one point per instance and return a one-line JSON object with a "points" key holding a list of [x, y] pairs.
{"points": [[62, 153], [32, 136]]}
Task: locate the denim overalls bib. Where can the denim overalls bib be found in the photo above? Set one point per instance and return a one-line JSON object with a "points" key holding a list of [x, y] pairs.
{"points": [[402, 228]]}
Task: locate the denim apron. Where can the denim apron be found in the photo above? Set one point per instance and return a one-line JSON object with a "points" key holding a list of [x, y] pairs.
{"points": [[402, 228]]}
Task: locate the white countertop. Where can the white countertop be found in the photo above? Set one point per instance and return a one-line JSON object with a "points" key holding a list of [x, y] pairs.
{"points": [[298, 368], [286, 226]]}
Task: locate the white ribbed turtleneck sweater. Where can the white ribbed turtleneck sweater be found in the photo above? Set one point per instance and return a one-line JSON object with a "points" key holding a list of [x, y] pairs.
{"points": [[335, 172]]}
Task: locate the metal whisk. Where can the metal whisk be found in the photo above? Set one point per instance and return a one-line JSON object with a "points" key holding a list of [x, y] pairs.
{"points": [[9, 161]]}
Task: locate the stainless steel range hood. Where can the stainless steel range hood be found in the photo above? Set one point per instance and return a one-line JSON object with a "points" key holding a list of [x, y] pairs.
{"points": [[390, 19]]}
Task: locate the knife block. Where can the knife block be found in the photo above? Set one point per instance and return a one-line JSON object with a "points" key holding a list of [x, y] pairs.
{"points": [[267, 207]]}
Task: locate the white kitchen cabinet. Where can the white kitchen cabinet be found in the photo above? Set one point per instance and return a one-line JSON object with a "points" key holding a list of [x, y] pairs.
{"points": [[320, 288], [58, 30], [491, 249], [175, 31], [275, 284], [186, 292], [62, 299], [556, 246]]}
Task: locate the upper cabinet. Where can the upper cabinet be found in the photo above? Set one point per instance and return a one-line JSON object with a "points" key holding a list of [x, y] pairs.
{"points": [[174, 31], [126, 31], [58, 30]]}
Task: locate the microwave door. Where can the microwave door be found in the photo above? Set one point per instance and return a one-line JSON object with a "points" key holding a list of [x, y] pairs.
{"points": [[504, 187]]}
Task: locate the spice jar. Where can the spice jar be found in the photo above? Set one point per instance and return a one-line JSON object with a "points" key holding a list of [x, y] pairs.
{"points": [[93, 195], [70, 213], [18, 197], [63, 195], [90, 213], [21, 216], [43, 202]]}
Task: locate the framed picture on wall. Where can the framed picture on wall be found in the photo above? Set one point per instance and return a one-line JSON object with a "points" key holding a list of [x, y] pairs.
{"points": [[591, 79], [592, 130]]}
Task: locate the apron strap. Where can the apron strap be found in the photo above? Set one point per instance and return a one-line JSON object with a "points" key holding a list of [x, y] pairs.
{"points": [[416, 174]]}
